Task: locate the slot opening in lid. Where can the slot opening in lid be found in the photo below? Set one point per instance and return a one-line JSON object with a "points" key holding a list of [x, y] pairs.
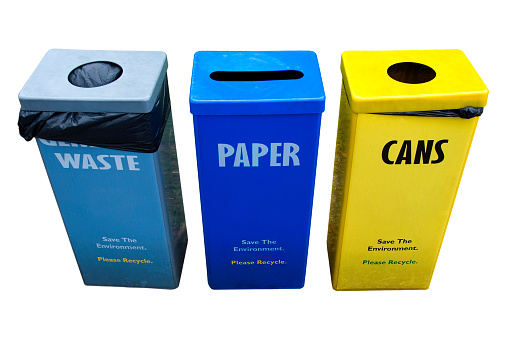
{"points": [[256, 75]]}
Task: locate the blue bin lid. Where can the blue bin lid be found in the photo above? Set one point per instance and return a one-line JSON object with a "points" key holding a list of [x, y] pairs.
{"points": [[247, 83], [135, 91]]}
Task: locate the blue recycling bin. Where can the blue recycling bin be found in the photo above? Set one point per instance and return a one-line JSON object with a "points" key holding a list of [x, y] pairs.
{"points": [[257, 123], [102, 121]]}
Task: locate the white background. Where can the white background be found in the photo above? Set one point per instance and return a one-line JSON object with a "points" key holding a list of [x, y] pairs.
{"points": [[41, 291]]}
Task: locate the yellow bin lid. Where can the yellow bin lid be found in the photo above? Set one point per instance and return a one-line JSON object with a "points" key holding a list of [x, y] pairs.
{"points": [[410, 81]]}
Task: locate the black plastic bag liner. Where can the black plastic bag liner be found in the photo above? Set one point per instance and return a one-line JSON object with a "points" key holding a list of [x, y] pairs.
{"points": [[464, 113], [135, 132]]}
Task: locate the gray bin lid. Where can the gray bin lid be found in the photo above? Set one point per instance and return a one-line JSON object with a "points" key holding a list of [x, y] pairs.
{"points": [[135, 91]]}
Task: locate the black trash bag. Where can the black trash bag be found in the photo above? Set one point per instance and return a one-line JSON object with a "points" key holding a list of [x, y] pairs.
{"points": [[465, 113], [135, 132]]}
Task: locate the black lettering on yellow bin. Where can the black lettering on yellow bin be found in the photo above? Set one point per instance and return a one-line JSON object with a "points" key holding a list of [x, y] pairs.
{"points": [[406, 122]]}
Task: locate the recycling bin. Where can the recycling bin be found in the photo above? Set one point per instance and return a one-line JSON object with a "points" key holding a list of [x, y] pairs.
{"points": [[102, 121], [406, 122], [257, 121]]}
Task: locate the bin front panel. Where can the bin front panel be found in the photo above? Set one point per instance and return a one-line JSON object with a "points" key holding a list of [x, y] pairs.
{"points": [[115, 213], [256, 186], [393, 193]]}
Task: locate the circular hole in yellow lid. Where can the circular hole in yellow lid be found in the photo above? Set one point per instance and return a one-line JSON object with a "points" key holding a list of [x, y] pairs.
{"points": [[411, 73]]}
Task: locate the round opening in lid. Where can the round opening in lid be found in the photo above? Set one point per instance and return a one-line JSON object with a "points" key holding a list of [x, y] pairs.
{"points": [[95, 74], [411, 73]]}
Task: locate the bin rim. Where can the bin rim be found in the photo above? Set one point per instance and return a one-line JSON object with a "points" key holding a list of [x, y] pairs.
{"points": [[304, 95], [370, 89], [135, 91]]}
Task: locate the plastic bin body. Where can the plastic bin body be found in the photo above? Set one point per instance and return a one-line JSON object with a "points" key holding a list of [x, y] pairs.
{"points": [[122, 210], [396, 172], [256, 166]]}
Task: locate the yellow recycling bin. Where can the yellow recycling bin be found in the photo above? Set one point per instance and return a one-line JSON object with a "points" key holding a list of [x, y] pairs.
{"points": [[406, 122]]}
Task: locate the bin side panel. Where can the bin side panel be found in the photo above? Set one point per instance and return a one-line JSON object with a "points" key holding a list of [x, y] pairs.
{"points": [[404, 178], [257, 178], [345, 142], [111, 207], [170, 189]]}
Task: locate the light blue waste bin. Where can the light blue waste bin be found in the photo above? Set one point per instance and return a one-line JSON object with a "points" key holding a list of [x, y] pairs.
{"points": [[109, 151], [257, 122]]}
